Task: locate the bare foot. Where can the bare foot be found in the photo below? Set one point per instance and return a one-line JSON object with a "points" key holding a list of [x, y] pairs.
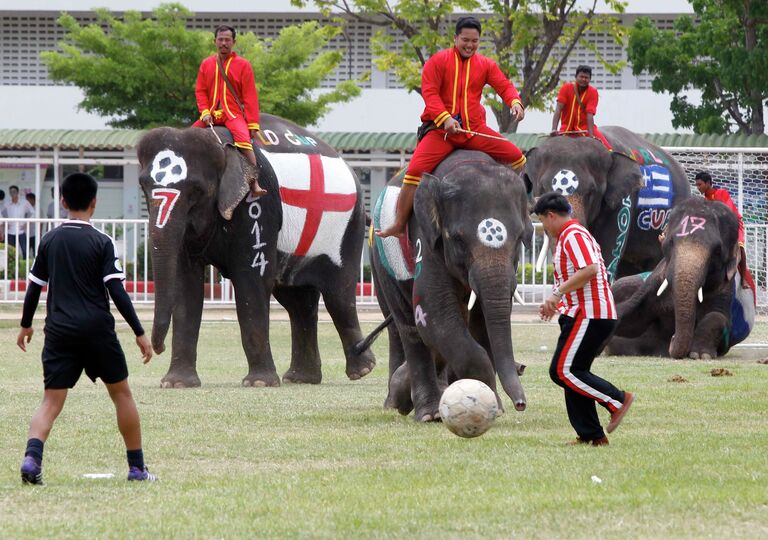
{"points": [[394, 230], [257, 191]]}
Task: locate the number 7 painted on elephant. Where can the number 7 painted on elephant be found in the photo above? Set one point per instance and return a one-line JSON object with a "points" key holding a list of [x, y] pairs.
{"points": [[166, 198], [695, 222]]}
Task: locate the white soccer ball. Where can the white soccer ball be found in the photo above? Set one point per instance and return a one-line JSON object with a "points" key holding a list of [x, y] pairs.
{"points": [[468, 408], [565, 182]]}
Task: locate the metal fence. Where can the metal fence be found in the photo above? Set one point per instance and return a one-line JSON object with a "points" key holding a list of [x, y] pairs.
{"points": [[131, 239]]}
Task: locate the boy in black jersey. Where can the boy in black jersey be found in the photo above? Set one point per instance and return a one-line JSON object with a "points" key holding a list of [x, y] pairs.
{"points": [[79, 265]]}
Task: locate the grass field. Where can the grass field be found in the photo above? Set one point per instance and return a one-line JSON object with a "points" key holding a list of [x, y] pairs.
{"points": [[689, 461]]}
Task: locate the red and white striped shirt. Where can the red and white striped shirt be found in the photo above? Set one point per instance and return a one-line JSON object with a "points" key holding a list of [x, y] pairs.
{"points": [[576, 248]]}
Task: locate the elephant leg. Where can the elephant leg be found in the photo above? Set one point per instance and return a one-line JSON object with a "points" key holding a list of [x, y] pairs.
{"points": [[425, 390], [301, 305], [342, 309], [399, 396], [252, 301], [187, 314], [707, 335]]}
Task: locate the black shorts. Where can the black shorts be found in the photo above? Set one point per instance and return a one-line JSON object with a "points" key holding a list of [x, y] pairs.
{"points": [[64, 361]]}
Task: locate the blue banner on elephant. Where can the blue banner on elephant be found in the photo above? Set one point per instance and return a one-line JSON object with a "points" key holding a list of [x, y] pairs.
{"points": [[657, 191]]}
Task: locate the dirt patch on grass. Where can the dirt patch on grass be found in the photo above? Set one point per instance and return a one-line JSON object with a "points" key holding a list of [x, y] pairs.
{"points": [[721, 372], [677, 379]]}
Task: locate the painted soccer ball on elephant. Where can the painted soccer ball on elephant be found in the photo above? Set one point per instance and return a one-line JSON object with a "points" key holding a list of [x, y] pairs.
{"points": [[565, 182], [468, 408]]}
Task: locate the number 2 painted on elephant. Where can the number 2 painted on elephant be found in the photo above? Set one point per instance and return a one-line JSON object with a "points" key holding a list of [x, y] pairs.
{"points": [[695, 222]]}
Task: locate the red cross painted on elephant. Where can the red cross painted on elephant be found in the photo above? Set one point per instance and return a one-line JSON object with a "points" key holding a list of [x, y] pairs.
{"points": [[316, 201]]}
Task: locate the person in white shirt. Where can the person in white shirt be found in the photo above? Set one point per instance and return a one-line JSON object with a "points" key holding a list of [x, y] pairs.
{"points": [[49, 213], [17, 208]]}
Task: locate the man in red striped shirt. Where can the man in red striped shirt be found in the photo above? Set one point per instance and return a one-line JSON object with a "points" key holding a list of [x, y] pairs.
{"points": [[587, 320]]}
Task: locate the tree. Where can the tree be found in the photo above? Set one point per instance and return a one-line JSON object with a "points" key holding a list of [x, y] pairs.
{"points": [[142, 72], [724, 54], [530, 39]]}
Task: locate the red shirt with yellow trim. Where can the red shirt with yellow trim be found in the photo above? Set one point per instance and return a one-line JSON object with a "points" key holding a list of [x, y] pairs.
{"points": [[574, 117], [722, 195], [452, 85], [213, 95]]}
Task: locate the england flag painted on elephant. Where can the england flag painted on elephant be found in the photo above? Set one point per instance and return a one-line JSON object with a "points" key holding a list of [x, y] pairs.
{"points": [[318, 196]]}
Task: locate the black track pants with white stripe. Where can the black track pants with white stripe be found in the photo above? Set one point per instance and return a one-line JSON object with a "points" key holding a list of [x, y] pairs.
{"points": [[580, 341]]}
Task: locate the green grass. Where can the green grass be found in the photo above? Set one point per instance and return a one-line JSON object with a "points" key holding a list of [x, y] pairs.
{"points": [[327, 461]]}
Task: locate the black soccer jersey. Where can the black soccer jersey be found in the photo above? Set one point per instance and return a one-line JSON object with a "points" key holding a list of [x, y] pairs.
{"points": [[75, 260]]}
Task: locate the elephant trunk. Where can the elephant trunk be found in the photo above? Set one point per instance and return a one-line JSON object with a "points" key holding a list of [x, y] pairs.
{"points": [[688, 275], [496, 300], [165, 254], [577, 209]]}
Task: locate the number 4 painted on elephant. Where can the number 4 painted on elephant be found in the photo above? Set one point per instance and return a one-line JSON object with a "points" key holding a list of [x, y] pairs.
{"points": [[695, 223], [166, 198]]}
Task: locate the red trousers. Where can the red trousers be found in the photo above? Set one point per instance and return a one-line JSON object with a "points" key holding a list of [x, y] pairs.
{"points": [[236, 126], [434, 148]]}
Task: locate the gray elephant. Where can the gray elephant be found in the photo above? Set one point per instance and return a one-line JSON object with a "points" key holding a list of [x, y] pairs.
{"points": [[469, 220], [693, 304], [622, 196], [303, 239]]}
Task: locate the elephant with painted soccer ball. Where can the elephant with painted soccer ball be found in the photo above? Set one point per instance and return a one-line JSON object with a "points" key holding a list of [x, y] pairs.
{"points": [[693, 304], [302, 239], [622, 196], [470, 218]]}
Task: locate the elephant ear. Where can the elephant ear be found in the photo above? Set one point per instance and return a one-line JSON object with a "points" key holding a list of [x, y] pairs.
{"points": [[733, 262], [425, 208], [233, 184], [527, 224], [530, 172], [623, 179]]}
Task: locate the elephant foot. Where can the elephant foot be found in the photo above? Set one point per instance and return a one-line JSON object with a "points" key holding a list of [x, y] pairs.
{"points": [[176, 380], [260, 380], [428, 412], [701, 355], [360, 365], [293, 376]]}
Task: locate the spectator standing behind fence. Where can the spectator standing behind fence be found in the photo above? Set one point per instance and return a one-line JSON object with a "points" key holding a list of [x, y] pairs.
{"points": [[587, 319], [2, 213], [32, 200], [51, 211], [16, 209]]}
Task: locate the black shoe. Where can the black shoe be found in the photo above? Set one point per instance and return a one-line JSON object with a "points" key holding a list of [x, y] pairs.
{"points": [[31, 471]]}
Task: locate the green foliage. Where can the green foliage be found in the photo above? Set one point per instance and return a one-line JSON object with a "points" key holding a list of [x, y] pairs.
{"points": [[521, 35], [142, 72], [724, 54], [13, 272], [526, 274], [287, 69]]}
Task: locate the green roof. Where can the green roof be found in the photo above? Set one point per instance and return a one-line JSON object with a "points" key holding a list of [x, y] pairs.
{"points": [[119, 139]]}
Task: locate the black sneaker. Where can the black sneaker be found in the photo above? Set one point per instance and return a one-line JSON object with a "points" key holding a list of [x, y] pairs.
{"points": [[141, 475], [31, 471]]}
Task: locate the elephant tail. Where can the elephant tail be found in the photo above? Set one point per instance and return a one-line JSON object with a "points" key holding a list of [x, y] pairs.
{"points": [[364, 344]]}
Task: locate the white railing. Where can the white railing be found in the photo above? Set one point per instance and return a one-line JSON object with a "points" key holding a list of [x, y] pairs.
{"points": [[131, 238]]}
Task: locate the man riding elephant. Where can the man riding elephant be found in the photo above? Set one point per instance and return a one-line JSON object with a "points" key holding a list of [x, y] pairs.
{"points": [[452, 85], [226, 95]]}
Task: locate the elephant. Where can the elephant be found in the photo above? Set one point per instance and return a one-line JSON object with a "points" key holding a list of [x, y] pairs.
{"points": [[300, 240], [469, 219], [623, 197], [659, 312]]}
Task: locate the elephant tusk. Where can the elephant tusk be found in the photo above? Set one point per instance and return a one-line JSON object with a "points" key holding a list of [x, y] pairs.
{"points": [[542, 254], [519, 298], [472, 300], [662, 288], [701, 295]]}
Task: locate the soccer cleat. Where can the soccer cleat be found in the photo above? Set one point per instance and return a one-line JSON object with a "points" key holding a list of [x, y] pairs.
{"points": [[31, 471], [141, 475], [618, 414], [602, 441]]}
